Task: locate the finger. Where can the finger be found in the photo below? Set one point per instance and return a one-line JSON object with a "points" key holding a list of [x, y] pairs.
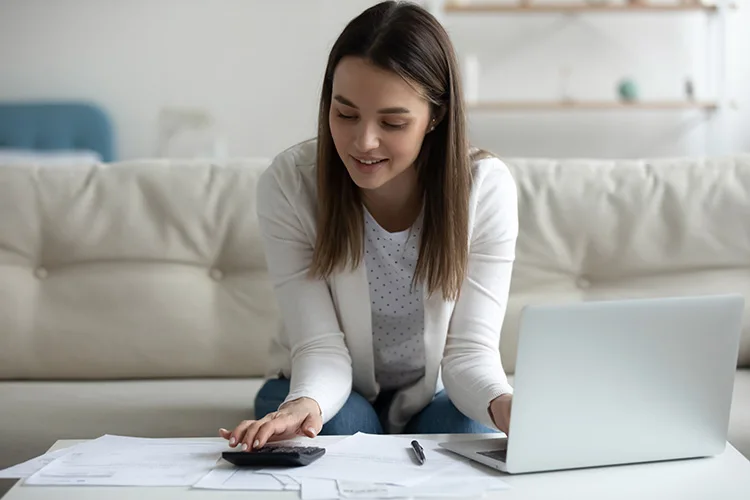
{"points": [[279, 425], [249, 437], [225, 433], [238, 433], [312, 425]]}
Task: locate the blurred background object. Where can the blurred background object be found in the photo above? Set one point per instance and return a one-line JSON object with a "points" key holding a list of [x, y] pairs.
{"points": [[242, 77]]}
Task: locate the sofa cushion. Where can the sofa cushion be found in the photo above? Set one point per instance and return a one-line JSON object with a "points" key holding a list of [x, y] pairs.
{"points": [[739, 419], [33, 415], [36, 414]]}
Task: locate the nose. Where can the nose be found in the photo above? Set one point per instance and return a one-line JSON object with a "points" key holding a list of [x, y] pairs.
{"points": [[367, 138]]}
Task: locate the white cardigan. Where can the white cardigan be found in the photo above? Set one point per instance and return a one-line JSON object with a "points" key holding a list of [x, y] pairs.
{"points": [[325, 346]]}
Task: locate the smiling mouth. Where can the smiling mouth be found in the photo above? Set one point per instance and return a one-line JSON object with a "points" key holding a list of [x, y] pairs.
{"points": [[370, 162]]}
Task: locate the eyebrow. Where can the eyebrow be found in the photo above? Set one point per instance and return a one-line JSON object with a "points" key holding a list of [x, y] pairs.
{"points": [[384, 111]]}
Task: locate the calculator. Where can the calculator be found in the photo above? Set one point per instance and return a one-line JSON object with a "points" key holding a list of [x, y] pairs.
{"points": [[275, 456]]}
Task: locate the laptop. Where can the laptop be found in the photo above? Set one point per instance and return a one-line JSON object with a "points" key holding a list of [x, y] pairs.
{"points": [[618, 382]]}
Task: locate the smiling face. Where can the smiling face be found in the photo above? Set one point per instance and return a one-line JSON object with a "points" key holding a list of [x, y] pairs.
{"points": [[378, 122]]}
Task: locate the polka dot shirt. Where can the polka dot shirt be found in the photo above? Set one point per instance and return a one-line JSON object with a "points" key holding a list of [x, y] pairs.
{"points": [[397, 309]]}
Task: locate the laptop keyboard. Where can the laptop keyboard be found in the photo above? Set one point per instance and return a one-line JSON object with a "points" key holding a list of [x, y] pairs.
{"points": [[499, 455]]}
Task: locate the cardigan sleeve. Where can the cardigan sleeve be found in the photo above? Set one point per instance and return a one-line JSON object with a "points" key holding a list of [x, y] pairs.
{"points": [[473, 374], [321, 364]]}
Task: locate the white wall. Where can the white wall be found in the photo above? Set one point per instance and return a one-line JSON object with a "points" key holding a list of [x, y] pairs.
{"points": [[256, 66]]}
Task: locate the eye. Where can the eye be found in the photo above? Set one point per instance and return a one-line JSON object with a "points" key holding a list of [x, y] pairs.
{"points": [[345, 117], [394, 126]]}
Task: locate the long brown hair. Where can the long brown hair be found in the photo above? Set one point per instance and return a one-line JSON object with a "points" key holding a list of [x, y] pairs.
{"points": [[406, 39]]}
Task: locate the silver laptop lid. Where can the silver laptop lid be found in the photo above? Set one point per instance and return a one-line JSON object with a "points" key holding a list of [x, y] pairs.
{"points": [[610, 382]]}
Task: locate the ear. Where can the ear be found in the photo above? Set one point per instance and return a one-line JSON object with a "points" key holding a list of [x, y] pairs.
{"points": [[437, 116]]}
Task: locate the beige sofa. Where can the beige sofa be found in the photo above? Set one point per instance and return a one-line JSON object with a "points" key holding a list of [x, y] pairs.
{"points": [[134, 297]]}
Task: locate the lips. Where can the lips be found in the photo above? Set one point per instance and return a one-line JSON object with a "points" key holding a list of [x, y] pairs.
{"points": [[369, 161], [369, 165]]}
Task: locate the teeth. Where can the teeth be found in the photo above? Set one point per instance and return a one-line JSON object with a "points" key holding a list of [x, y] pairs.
{"points": [[369, 162]]}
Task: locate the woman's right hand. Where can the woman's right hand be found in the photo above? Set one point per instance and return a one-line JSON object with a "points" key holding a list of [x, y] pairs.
{"points": [[300, 417]]}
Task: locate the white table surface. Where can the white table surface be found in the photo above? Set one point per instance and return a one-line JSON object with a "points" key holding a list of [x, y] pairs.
{"points": [[725, 477]]}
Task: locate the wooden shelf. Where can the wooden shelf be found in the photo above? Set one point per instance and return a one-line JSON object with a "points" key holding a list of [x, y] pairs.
{"points": [[468, 8], [590, 105]]}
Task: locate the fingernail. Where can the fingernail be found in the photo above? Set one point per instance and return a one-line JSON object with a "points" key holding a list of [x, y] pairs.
{"points": [[311, 431], [256, 444], [223, 430], [232, 441], [244, 447]]}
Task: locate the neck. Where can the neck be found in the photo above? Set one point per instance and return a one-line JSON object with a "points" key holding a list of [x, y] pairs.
{"points": [[396, 204]]}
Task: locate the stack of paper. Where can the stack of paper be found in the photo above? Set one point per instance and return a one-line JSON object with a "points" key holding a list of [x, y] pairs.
{"points": [[358, 467], [29, 467], [126, 461], [129, 461], [374, 459], [228, 477], [368, 466]]}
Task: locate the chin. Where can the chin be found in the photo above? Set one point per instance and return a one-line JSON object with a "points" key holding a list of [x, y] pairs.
{"points": [[367, 181]]}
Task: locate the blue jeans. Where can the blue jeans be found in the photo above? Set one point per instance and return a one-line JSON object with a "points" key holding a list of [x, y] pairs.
{"points": [[359, 415]]}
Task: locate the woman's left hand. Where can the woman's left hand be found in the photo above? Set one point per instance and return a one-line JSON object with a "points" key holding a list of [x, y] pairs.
{"points": [[500, 411]]}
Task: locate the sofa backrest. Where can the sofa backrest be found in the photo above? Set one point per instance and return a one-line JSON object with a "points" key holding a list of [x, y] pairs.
{"points": [[598, 230], [155, 268], [132, 270]]}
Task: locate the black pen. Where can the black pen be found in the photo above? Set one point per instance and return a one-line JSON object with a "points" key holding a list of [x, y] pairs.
{"points": [[418, 451]]}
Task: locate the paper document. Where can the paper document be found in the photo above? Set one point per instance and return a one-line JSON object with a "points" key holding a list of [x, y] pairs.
{"points": [[319, 489], [233, 478], [369, 458], [29, 467], [435, 487], [348, 489], [127, 461], [288, 482], [465, 478], [226, 476]]}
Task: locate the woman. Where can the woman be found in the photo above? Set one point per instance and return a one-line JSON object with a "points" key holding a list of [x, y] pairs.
{"points": [[390, 247]]}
